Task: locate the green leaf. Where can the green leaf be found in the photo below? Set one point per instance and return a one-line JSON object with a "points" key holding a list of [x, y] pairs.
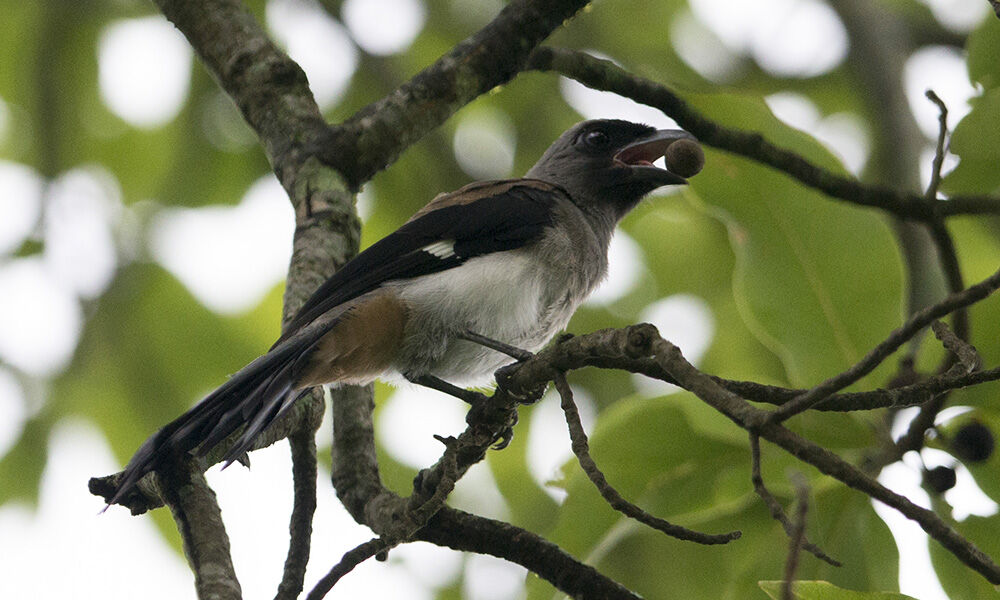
{"points": [[649, 451], [824, 590], [645, 447], [674, 233], [680, 231], [976, 141], [983, 47], [841, 521], [818, 281]]}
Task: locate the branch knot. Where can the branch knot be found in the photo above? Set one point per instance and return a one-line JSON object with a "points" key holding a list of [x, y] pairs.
{"points": [[639, 342]]}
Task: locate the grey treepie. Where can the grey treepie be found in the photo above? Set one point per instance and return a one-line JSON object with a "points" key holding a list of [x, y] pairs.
{"points": [[509, 260]]}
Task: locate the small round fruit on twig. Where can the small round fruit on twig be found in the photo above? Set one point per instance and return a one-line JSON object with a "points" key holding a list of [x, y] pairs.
{"points": [[973, 442], [940, 479], [685, 158]]}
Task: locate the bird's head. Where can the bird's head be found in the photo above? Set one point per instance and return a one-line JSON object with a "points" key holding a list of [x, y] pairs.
{"points": [[607, 165]]}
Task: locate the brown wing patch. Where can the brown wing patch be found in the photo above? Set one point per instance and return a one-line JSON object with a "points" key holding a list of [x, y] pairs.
{"points": [[361, 345], [478, 191]]}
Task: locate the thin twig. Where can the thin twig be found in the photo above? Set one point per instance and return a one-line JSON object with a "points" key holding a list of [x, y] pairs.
{"points": [[948, 257], [605, 75], [421, 507], [939, 233], [913, 439], [967, 363], [777, 512], [965, 352], [882, 351], [935, 183], [609, 493], [351, 559], [303, 446], [750, 418], [797, 537]]}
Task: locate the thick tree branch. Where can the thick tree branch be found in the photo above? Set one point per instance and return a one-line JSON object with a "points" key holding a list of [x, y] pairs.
{"points": [[269, 88], [588, 351], [605, 75], [199, 521], [470, 533], [373, 138]]}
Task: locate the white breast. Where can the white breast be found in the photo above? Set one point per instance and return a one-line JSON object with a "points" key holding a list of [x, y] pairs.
{"points": [[505, 296]]}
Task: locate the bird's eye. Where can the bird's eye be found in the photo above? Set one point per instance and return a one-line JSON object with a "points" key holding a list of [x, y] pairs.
{"points": [[596, 139]]}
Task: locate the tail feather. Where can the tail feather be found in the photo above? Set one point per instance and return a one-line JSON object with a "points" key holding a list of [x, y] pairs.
{"points": [[257, 412], [255, 396], [231, 416], [279, 399]]}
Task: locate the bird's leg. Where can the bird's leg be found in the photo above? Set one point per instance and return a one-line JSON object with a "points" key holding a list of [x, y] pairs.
{"points": [[511, 351], [436, 383], [514, 352]]}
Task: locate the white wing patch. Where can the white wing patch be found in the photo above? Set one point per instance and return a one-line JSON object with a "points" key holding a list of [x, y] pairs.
{"points": [[442, 249]]}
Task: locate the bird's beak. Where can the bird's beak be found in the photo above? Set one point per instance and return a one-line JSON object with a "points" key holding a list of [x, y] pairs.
{"points": [[640, 154]]}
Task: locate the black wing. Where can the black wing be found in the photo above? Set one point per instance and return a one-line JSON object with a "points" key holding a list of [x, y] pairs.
{"points": [[503, 216]]}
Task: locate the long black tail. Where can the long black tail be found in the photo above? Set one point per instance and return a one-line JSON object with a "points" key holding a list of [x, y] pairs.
{"points": [[254, 397]]}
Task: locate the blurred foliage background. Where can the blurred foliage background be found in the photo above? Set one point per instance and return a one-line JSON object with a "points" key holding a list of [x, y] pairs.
{"points": [[143, 241]]}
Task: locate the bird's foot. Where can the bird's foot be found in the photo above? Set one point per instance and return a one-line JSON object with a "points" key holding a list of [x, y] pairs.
{"points": [[521, 395], [506, 435], [501, 419], [527, 396]]}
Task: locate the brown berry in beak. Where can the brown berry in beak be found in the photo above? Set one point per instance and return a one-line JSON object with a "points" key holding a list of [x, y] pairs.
{"points": [[685, 157]]}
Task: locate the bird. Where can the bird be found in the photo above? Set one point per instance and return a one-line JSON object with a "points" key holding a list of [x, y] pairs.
{"points": [[507, 260]]}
